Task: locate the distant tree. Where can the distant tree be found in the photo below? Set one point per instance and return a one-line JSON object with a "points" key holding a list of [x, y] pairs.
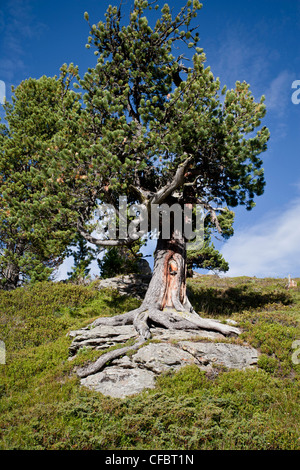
{"points": [[207, 257], [35, 227], [83, 255], [121, 260]]}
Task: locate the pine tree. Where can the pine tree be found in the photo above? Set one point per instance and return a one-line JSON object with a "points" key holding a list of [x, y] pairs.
{"points": [[35, 229], [83, 255], [163, 131]]}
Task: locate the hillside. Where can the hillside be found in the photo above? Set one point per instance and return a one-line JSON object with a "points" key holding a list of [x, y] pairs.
{"points": [[42, 405]]}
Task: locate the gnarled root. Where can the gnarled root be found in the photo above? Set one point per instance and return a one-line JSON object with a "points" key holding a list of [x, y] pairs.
{"points": [[165, 305], [142, 318], [105, 358]]}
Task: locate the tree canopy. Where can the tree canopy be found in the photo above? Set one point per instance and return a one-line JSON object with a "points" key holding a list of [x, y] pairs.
{"points": [[157, 126], [144, 122]]}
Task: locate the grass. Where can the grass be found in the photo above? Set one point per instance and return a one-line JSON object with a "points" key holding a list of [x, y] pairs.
{"points": [[42, 405]]}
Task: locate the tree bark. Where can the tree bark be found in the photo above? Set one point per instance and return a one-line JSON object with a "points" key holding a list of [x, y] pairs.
{"points": [[167, 288], [10, 276]]}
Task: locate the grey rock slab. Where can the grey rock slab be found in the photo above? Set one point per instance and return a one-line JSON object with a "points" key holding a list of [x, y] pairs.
{"points": [[161, 357], [104, 331], [131, 284], [177, 335], [101, 337], [104, 336], [118, 382], [170, 350], [130, 375], [232, 356]]}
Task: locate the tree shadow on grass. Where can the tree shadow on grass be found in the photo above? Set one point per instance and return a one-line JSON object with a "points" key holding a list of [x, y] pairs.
{"points": [[216, 301]]}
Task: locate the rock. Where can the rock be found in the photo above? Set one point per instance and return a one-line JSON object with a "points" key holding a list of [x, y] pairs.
{"points": [[232, 356], [101, 337], [231, 322], [104, 336], [119, 382], [144, 267], [130, 284], [176, 335], [171, 350], [161, 357]]}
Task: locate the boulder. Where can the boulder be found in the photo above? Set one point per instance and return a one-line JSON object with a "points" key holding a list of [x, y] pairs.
{"points": [[128, 284], [119, 382], [144, 267]]}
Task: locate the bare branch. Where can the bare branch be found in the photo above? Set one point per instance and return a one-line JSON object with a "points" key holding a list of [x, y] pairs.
{"points": [[176, 182], [96, 241], [213, 213], [142, 194]]}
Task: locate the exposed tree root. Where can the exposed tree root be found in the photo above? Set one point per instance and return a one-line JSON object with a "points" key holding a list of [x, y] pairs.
{"points": [[107, 357], [142, 318]]}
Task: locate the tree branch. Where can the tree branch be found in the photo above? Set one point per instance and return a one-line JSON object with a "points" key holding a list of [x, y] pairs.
{"points": [[213, 213], [176, 182], [96, 241]]}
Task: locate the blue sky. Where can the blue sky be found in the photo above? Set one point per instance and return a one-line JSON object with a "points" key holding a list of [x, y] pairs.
{"points": [[256, 41]]}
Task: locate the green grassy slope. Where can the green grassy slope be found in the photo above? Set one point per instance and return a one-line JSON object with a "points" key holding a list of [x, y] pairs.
{"points": [[42, 405]]}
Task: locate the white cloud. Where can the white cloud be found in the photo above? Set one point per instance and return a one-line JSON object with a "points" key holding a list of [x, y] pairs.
{"points": [[278, 95], [271, 248]]}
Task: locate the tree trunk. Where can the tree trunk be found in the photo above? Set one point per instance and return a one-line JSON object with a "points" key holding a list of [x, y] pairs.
{"points": [[167, 288], [166, 303], [11, 274]]}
